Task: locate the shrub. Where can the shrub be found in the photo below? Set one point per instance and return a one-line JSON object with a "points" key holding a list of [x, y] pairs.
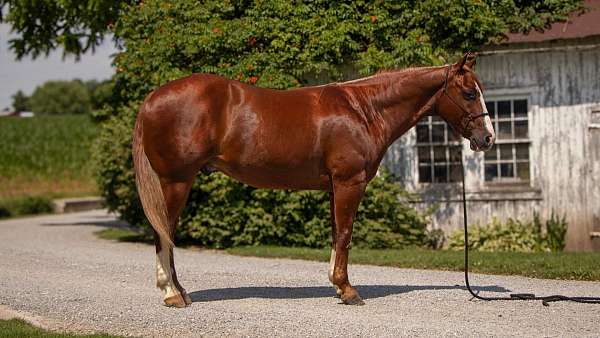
{"points": [[28, 205], [223, 213], [514, 235], [31, 205], [4, 212], [556, 229]]}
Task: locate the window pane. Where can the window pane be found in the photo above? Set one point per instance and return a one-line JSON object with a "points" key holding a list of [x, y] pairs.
{"points": [[437, 133], [423, 120], [491, 155], [491, 172], [520, 108], [440, 175], [491, 109], [506, 152], [503, 109], [455, 174], [439, 154], [436, 118], [523, 171], [424, 154], [504, 130], [506, 170], [425, 174], [520, 129], [422, 133], [455, 154], [522, 151]]}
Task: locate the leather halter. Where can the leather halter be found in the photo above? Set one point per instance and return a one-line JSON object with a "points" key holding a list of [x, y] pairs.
{"points": [[466, 118]]}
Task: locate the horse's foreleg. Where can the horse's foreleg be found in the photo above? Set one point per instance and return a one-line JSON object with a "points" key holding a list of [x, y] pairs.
{"points": [[175, 194], [347, 196], [332, 257]]}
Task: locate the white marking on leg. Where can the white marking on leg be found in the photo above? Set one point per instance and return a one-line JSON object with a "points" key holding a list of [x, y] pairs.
{"points": [[331, 264], [164, 275]]}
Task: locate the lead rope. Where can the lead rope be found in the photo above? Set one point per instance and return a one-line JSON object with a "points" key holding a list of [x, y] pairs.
{"points": [[546, 300]]}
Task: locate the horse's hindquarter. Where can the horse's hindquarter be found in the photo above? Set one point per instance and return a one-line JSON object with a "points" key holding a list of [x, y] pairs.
{"points": [[272, 139]]}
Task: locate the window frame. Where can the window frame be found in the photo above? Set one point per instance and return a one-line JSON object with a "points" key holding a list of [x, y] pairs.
{"points": [[447, 163], [515, 179]]}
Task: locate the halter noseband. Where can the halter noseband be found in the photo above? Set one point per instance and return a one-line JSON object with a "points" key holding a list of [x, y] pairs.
{"points": [[466, 118]]}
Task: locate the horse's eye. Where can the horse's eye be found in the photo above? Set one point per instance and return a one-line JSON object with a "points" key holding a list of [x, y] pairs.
{"points": [[470, 95]]}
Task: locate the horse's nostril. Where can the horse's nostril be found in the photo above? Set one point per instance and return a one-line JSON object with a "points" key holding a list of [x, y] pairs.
{"points": [[488, 139]]}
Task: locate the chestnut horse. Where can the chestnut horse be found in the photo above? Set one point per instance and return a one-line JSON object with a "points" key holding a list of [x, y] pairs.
{"points": [[329, 137]]}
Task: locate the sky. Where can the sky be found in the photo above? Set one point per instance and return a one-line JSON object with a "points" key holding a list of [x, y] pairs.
{"points": [[27, 73]]}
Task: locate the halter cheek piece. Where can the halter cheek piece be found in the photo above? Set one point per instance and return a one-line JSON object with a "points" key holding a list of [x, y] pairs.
{"points": [[466, 118]]}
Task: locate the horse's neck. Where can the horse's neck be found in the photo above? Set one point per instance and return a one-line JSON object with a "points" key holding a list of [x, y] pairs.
{"points": [[400, 99]]}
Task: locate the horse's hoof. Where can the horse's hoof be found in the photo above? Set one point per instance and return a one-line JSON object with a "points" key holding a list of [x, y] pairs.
{"points": [[176, 301], [353, 300], [338, 292]]}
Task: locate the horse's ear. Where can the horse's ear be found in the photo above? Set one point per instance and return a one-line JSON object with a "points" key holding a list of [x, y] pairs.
{"points": [[471, 60], [468, 61]]}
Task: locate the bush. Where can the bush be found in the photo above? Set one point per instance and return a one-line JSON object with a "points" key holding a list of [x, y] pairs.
{"points": [[223, 213], [514, 235], [29, 205], [556, 230], [33, 205]]}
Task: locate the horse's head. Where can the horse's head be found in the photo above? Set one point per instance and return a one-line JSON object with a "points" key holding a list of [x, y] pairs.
{"points": [[461, 105]]}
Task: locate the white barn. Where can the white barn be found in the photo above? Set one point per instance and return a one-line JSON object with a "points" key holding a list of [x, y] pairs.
{"points": [[543, 90]]}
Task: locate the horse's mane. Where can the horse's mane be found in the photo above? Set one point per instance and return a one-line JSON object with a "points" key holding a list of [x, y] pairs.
{"points": [[382, 73]]}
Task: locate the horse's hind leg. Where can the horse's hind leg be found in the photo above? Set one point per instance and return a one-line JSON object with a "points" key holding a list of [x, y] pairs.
{"points": [[175, 194]]}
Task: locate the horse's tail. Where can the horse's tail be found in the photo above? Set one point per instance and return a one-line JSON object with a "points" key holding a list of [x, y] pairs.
{"points": [[149, 189]]}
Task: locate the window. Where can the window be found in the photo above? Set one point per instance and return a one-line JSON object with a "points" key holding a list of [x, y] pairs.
{"points": [[508, 160], [439, 152]]}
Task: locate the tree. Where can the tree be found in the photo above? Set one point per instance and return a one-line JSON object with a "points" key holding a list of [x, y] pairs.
{"points": [[282, 44], [61, 97], [20, 102], [100, 93], [75, 26]]}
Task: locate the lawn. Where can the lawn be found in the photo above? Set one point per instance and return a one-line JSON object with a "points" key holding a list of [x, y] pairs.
{"points": [[46, 156], [16, 328], [563, 265], [551, 265]]}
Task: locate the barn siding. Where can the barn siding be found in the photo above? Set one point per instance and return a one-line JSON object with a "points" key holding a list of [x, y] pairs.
{"points": [[563, 86]]}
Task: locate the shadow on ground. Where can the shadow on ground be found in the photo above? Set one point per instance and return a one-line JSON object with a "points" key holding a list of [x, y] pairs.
{"points": [[93, 221], [366, 291]]}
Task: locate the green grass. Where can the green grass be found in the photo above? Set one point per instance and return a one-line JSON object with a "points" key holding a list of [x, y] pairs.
{"points": [[46, 156], [122, 235], [550, 265], [563, 265], [16, 328]]}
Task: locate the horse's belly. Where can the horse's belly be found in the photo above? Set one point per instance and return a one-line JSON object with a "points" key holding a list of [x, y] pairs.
{"points": [[275, 176]]}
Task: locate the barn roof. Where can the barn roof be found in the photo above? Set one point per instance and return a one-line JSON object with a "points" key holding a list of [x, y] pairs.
{"points": [[577, 26]]}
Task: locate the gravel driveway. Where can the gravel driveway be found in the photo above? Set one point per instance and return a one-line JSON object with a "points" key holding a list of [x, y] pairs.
{"points": [[54, 271]]}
